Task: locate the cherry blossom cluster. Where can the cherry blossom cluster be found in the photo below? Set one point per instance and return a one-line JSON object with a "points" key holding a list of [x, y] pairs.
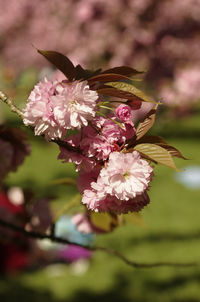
{"points": [[111, 178]]}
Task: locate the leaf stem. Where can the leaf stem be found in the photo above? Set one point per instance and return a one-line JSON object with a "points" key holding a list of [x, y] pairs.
{"points": [[102, 114]]}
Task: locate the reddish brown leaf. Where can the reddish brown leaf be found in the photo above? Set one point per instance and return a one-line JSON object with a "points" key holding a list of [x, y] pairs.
{"points": [[117, 93], [151, 139], [60, 61], [84, 74], [103, 78], [123, 70], [130, 88]]}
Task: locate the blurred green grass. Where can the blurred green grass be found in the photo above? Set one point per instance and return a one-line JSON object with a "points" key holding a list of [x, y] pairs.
{"points": [[171, 233]]}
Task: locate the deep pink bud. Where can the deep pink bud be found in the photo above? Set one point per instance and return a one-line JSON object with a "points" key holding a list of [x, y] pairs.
{"points": [[123, 112]]}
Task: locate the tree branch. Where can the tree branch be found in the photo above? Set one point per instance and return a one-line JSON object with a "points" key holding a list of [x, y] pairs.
{"points": [[4, 98], [53, 238]]}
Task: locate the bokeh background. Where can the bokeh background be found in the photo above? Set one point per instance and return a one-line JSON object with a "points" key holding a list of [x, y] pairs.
{"points": [[163, 39]]}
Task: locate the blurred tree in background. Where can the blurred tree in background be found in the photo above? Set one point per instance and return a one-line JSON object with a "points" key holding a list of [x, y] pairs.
{"points": [[159, 37]]}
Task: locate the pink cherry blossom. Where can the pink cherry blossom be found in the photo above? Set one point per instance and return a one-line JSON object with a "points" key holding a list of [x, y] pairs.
{"points": [[107, 138], [98, 147], [95, 202], [77, 104], [109, 129], [121, 185], [125, 175], [40, 110], [54, 107]]}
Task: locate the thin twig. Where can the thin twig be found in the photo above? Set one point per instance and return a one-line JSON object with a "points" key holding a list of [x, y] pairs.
{"points": [[4, 98], [53, 238], [66, 145]]}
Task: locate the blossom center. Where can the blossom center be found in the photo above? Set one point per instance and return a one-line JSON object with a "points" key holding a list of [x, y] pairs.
{"points": [[72, 104], [126, 175]]}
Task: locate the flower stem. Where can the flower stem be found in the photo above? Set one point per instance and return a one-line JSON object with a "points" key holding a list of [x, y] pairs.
{"points": [[106, 107], [102, 114]]}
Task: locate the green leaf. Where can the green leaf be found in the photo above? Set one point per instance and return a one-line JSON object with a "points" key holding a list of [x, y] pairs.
{"points": [[144, 126], [123, 70], [157, 154], [59, 61], [132, 90], [103, 221]]}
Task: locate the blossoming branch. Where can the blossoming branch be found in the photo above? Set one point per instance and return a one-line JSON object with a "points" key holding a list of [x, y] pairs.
{"points": [[89, 114]]}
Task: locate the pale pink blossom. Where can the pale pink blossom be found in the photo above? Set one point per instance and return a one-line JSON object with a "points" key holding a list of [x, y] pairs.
{"points": [[121, 185], [102, 142], [107, 203], [123, 112], [107, 138], [93, 200], [110, 130], [77, 104], [98, 147], [54, 107], [40, 110], [126, 175], [115, 132]]}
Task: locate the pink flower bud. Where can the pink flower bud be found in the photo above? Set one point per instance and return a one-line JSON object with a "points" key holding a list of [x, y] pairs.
{"points": [[123, 112]]}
